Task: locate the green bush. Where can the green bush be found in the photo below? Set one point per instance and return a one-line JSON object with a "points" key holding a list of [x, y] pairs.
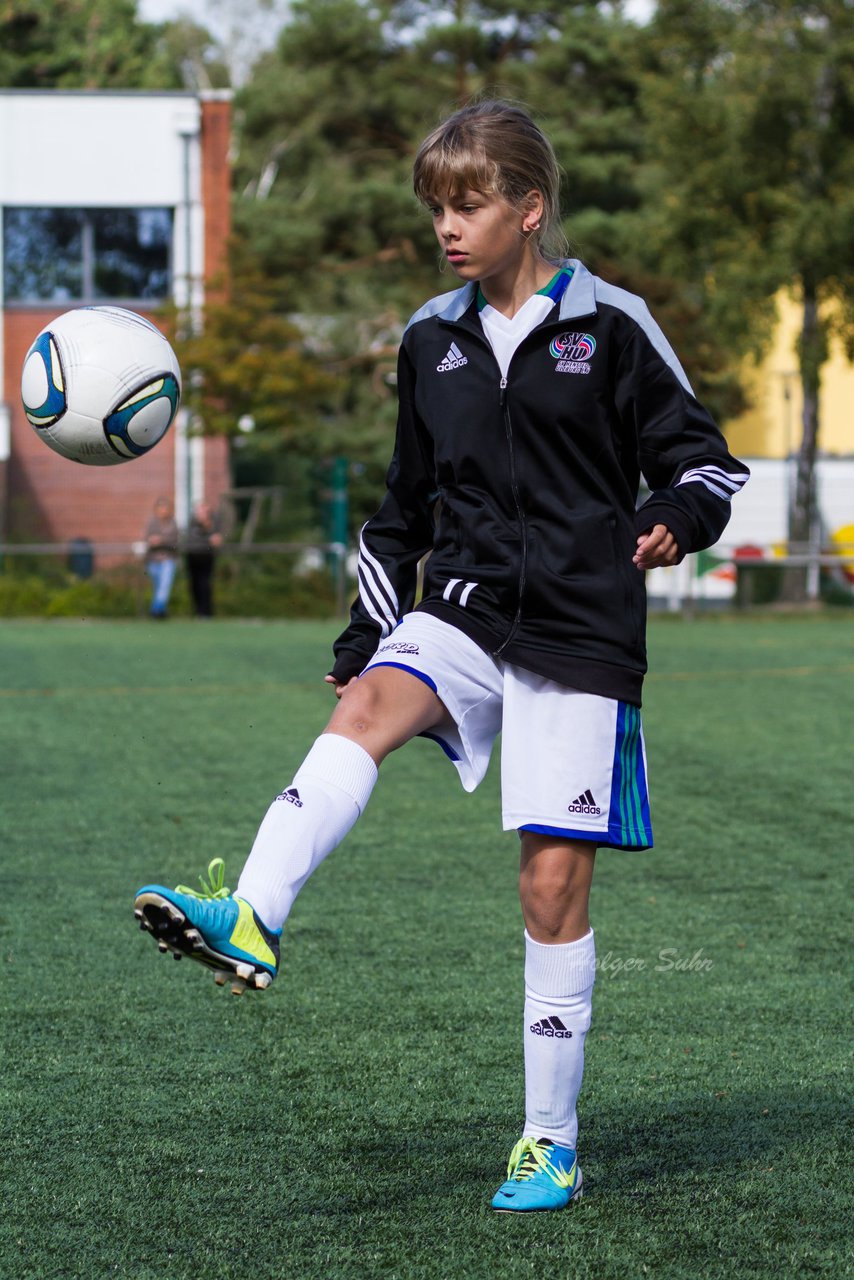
{"points": [[23, 597], [94, 598], [263, 586], [267, 587]]}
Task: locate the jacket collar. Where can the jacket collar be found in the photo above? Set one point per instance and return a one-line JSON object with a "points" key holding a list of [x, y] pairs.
{"points": [[579, 297], [459, 302]]}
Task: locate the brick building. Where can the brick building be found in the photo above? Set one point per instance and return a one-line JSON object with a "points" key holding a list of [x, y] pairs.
{"points": [[118, 198]]}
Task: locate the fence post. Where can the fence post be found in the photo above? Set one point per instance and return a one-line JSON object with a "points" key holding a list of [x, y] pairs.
{"points": [[814, 565], [339, 551]]}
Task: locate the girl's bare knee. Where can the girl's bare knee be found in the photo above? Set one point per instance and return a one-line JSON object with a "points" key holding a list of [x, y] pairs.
{"points": [[359, 710], [383, 709], [554, 889]]}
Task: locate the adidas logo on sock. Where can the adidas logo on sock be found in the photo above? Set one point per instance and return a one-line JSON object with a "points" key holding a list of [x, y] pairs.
{"points": [[552, 1027], [292, 797], [584, 804], [453, 360]]}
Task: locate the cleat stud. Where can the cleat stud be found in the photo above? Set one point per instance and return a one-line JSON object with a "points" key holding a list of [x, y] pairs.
{"points": [[262, 981], [138, 913], [192, 935], [161, 946], [237, 988], [177, 955], [220, 979], [244, 971], [172, 912]]}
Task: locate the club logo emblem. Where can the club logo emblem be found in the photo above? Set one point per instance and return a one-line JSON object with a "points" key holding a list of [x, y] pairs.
{"points": [[573, 351]]}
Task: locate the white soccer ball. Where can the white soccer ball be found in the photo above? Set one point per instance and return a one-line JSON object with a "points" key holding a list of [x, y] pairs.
{"points": [[100, 385]]}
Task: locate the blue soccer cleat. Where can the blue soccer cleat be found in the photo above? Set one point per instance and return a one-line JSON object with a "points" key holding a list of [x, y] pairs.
{"points": [[220, 931], [540, 1175]]}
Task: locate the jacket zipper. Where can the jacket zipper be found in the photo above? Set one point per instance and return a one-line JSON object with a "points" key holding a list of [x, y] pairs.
{"points": [[520, 512]]}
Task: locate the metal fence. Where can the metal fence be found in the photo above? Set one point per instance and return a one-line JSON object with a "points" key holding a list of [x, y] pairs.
{"points": [[676, 589], [83, 558], [681, 587]]}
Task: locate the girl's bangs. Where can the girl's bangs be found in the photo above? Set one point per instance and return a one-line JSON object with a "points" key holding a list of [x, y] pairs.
{"points": [[453, 169]]}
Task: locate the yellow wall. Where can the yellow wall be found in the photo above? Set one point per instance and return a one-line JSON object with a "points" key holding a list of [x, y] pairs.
{"points": [[772, 427]]}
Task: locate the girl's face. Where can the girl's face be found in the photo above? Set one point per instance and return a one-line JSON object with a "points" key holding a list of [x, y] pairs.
{"points": [[482, 236]]}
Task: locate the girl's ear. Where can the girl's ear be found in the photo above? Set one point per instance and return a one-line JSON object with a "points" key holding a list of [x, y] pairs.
{"points": [[533, 212]]}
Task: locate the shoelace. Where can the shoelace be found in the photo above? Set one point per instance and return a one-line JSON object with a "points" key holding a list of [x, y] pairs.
{"points": [[215, 887], [529, 1157]]}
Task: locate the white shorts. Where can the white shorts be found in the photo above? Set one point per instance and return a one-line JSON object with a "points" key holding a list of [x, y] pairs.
{"points": [[573, 764]]}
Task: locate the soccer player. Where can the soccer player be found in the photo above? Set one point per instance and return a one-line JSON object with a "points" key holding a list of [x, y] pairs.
{"points": [[531, 399]]}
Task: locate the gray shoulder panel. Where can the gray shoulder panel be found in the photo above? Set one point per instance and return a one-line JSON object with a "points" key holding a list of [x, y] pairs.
{"points": [[450, 306], [636, 308]]}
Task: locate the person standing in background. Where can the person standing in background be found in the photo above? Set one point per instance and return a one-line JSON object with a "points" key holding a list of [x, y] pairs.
{"points": [[201, 543], [161, 556]]}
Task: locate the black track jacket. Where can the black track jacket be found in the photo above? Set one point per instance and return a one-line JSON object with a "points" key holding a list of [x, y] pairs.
{"points": [[524, 491]]}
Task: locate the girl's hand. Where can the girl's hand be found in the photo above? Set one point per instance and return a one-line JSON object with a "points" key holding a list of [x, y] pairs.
{"points": [[656, 547], [339, 688]]}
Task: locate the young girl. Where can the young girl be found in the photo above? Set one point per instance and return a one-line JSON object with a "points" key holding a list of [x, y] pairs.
{"points": [[531, 399]]}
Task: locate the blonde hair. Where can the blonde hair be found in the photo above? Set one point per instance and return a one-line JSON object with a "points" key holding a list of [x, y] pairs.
{"points": [[496, 148]]}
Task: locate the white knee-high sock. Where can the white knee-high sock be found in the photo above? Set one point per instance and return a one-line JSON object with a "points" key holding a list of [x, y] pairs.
{"points": [[558, 995], [304, 823]]}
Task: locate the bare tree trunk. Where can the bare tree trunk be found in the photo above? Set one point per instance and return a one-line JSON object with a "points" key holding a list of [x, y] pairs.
{"points": [[803, 513]]}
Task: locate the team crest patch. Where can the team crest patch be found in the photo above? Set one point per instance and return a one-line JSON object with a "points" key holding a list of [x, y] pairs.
{"points": [[573, 352]]}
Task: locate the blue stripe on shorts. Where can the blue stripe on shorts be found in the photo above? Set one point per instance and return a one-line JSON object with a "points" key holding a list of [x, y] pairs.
{"points": [[629, 825]]}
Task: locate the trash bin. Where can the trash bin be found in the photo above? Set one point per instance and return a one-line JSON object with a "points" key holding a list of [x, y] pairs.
{"points": [[81, 557]]}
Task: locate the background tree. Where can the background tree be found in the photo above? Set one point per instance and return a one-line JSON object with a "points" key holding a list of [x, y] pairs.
{"points": [[251, 362], [81, 44], [192, 53], [321, 197], [750, 117]]}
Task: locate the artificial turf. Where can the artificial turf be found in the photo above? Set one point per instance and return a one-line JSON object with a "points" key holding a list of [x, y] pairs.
{"points": [[354, 1120]]}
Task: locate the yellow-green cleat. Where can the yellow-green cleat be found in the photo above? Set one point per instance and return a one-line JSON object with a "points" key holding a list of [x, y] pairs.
{"points": [[540, 1175], [220, 931]]}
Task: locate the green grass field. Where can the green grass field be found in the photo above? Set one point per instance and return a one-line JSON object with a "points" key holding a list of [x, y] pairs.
{"points": [[354, 1121]]}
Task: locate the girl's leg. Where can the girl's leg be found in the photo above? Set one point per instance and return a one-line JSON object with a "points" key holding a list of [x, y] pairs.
{"points": [[554, 886], [555, 875], [376, 714]]}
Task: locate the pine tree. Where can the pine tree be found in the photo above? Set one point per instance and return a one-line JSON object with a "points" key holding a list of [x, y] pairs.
{"points": [[81, 44]]}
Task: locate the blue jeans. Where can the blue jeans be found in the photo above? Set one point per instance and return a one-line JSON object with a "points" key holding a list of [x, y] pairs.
{"points": [[162, 575]]}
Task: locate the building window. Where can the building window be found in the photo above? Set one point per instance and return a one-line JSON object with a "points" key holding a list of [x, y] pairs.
{"points": [[87, 255]]}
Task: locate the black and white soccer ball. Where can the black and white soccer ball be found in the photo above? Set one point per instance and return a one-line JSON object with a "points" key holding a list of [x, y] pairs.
{"points": [[101, 385]]}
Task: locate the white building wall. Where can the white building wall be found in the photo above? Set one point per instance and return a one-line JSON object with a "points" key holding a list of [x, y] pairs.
{"points": [[95, 149]]}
